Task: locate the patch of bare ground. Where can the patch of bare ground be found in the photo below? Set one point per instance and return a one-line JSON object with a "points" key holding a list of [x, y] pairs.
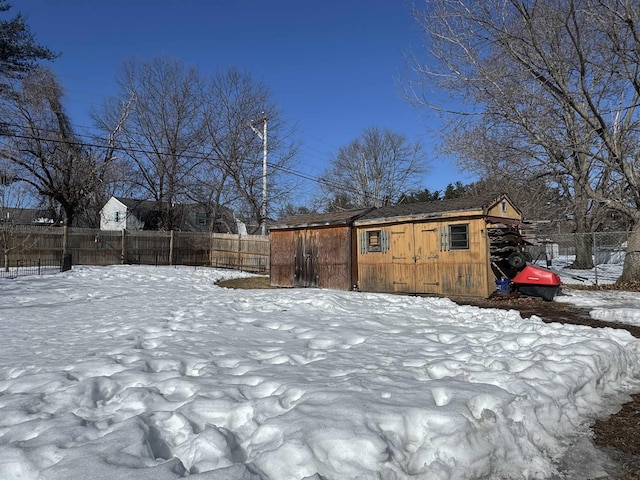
{"points": [[619, 435], [247, 283]]}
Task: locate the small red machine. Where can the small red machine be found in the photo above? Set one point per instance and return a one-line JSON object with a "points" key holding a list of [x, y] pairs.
{"points": [[537, 282]]}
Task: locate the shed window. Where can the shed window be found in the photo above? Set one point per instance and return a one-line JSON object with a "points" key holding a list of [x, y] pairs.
{"points": [[116, 216], [459, 237], [374, 241]]}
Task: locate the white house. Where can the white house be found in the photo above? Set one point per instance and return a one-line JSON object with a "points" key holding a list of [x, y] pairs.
{"points": [[133, 214], [122, 214]]}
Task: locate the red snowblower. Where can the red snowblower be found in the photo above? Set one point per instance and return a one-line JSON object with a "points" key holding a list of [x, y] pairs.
{"points": [[509, 262], [537, 282]]}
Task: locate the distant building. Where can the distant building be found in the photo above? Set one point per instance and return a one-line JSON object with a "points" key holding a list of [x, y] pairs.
{"points": [[25, 216], [134, 214]]}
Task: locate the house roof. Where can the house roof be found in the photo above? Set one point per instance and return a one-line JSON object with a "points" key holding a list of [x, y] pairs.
{"points": [[344, 217], [137, 204], [25, 216], [479, 204]]}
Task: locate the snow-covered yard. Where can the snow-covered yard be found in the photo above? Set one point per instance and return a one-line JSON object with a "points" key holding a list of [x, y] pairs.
{"points": [[135, 372]]}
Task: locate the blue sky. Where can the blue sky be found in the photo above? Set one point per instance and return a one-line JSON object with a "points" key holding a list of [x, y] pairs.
{"points": [[334, 66]]}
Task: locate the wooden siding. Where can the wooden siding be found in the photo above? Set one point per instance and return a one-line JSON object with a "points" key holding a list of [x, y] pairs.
{"points": [[420, 259], [306, 271], [312, 257], [283, 252], [504, 209], [334, 258]]}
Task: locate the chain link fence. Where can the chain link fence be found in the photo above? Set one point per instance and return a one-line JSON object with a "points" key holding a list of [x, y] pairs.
{"points": [[595, 258]]}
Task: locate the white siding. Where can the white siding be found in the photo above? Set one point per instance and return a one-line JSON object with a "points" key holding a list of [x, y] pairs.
{"points": [[115, 216]]}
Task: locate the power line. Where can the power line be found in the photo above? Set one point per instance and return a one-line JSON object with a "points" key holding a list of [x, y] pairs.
{"points": [[193, 156]]}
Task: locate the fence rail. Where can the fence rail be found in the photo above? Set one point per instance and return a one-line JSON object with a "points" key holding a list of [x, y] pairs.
{"points": [[99, 247]]}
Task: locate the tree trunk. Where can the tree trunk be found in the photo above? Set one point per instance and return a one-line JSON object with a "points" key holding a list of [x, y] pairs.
{"points": [[68, 212], [583, 214], [584, 252], [631, 268]]}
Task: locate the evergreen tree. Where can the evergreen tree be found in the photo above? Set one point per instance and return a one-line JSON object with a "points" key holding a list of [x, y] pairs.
{"points": [[19, 52]]}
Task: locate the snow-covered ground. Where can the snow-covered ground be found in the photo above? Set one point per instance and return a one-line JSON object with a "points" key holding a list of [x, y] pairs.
{"points": [[134, 372], [602, 274], [608, 306]]}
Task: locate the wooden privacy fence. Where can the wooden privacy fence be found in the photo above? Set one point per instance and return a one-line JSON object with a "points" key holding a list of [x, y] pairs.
{"points": [[100, 247]]}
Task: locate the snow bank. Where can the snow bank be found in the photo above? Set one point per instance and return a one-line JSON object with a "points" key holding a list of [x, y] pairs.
{"points": [[606, 305], [141, 372]]}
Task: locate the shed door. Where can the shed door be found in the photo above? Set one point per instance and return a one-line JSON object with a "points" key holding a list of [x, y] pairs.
{"points": [[402, 275], [414, 260], [426, 258], [306, 260]]}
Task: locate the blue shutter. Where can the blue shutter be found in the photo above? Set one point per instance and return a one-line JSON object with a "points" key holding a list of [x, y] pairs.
{"points": [[384, 241], [363, 242]]}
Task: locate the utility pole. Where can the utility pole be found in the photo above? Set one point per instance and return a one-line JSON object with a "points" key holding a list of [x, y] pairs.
{"points": [[263, 137]]}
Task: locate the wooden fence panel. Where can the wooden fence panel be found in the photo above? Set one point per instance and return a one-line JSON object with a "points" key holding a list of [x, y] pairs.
{"points": [[100, 247], [243, 252]]}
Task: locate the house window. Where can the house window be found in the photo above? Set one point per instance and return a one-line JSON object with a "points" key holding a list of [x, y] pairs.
{"points": [[201, 218], [116, 217], [374, 241], [459, 237], [504, 206]]}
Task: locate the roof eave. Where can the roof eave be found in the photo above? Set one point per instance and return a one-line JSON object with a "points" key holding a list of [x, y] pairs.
{"points": [[475, 212]]}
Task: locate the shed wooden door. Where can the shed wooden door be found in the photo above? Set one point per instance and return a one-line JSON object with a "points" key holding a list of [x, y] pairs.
{"points": [[415, 251], [401, 246], [426, 259], [306, 260]]}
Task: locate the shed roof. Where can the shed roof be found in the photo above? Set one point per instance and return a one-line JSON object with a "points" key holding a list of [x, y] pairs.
{"points": [[479, 204], [344, 217]]}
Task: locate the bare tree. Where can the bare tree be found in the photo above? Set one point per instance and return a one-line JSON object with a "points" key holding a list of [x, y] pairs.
{"points": [[42, 146], [13, 198], [560, 79], [236, 103], [373, 170], [162, 136], [189, 139]]}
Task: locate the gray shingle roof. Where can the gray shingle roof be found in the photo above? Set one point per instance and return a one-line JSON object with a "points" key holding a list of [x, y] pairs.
{"points": [[24, 216], [344, 217], [137, 204], [434, 207]]}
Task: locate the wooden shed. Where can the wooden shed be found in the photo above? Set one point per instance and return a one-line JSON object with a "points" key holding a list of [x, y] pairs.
{"points": [[315, 250], [440, 247]]}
